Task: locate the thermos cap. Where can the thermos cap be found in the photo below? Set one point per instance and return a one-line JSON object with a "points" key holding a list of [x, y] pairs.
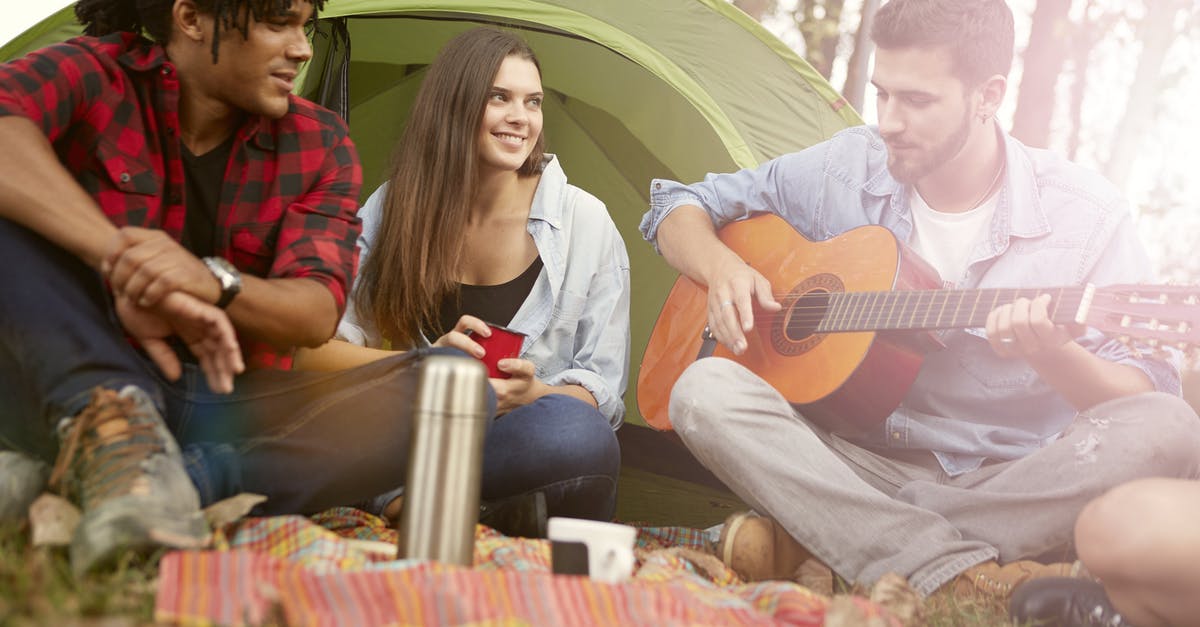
{"points": [[450, 387]]}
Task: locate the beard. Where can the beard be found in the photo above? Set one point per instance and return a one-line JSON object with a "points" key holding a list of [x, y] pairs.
{"points": [[909, 170]]}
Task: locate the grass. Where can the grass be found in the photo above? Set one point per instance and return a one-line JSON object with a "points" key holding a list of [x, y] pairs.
{"points": [[944, 610], [37, 587]]}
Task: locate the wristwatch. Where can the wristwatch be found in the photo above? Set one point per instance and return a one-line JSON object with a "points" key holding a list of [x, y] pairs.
{"points": [[228, 276]]}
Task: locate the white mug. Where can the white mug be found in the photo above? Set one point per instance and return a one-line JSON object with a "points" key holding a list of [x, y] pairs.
{"points": [[604, 551]]}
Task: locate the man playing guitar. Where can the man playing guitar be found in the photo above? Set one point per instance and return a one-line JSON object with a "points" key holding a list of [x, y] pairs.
{"points": [[1005, 433]]}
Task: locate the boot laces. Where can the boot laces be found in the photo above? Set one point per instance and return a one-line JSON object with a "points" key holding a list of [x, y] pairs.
{"points": [[101, 458]]}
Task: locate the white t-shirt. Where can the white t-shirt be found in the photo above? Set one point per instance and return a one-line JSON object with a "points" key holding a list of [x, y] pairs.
{"points": [[946, 240]]}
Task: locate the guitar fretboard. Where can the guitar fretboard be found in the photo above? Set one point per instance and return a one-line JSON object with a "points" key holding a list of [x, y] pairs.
{"points": [[920, 309]]}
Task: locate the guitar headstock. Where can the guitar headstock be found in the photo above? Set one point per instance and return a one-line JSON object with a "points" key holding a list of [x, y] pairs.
{"points": [[1153, 315]]}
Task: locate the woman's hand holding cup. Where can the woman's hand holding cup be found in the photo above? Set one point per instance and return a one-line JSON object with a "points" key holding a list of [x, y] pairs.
{"points": [[464, 336], [489, 343]]}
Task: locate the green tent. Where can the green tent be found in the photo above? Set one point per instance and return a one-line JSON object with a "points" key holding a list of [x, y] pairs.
{"points": [[636, 89]]}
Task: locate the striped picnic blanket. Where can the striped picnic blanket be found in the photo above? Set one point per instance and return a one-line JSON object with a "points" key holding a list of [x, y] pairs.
{"points": [[332, 569]]}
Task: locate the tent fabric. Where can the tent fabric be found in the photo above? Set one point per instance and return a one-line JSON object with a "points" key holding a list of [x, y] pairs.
{"points": [[635, 90]]}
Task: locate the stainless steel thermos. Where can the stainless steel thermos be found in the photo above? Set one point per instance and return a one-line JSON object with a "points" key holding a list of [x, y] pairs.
{"points": [[445, 464]]}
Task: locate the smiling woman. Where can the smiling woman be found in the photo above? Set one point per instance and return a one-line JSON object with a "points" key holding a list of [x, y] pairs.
{"points": [[512, 119], [476, 228]]}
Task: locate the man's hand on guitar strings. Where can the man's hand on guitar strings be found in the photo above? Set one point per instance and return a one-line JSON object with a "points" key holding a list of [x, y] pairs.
{"points": [[1023, 328], [732, 295]]}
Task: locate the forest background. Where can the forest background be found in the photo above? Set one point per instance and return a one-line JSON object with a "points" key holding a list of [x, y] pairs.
{"points": [[1108, 83]]}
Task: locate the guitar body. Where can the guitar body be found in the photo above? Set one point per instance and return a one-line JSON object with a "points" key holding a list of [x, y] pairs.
{"points": [[845, 382]]}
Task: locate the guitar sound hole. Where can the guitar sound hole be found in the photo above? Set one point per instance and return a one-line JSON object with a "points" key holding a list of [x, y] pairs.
{"points": [[794, 332], [805, 314]]}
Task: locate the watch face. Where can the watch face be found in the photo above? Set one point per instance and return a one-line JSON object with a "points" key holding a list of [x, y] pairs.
{"points": [[223, 264], [227, 274]]}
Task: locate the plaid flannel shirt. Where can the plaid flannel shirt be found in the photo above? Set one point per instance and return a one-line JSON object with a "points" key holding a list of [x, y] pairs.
{"points": [[110, 108]]}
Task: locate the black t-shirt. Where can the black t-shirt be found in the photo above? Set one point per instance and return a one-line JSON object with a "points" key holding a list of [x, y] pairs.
{"points": [[203, 177], [496, 304]]}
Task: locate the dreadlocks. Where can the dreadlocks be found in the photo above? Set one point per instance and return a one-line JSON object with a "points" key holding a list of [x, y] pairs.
{"points": [[153, 17]]}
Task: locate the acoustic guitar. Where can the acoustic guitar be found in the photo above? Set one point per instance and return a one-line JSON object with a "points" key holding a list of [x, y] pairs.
{"points": [[858, 314]]}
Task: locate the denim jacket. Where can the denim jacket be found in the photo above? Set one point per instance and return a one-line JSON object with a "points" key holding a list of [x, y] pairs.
{"points": [[1055, 224], [576, 317]]}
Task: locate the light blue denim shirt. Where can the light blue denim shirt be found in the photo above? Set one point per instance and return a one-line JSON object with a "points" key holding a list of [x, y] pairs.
{"points": [[576, 317], [1055, 224]]}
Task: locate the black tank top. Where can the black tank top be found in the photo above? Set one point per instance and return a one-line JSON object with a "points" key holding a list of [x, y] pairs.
{"points": [[496, 304]]}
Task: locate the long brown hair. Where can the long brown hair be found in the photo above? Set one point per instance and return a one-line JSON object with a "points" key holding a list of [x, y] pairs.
{"points": [[413, 264]]}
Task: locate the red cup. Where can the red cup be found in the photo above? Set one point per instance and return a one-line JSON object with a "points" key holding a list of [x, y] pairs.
{"points": [[504, 343]]}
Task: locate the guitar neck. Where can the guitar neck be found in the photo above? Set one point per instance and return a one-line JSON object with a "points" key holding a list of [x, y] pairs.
{"points": [[932, 309]]}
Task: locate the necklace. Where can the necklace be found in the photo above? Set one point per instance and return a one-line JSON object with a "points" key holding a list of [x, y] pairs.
{"points": [[991, 186]]}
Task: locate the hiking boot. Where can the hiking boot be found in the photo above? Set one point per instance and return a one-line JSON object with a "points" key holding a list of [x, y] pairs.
{"points": [[22, 479], [119, 463], [1065, 601], [759, 549], [993, 580]]}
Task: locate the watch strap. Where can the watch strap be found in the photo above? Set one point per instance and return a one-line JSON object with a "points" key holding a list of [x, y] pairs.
{"points": [[227, 295]]}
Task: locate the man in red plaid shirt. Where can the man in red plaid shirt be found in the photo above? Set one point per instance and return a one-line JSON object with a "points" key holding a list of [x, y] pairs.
{"points": [[168, 207]]}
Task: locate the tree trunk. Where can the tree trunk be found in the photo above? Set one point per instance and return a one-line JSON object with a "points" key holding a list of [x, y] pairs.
{"points": [[821, 33], [1087, 34], [755, 8], [855, 88], [1043, 62], [832, 35], [1156, 33]]}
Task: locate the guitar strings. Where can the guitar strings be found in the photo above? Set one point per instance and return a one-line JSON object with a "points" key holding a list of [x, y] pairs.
{"points": [[900, 303], [909, 293], [806, 318], [892, 301]]}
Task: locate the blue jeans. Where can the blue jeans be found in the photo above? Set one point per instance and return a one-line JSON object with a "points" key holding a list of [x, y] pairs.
{"points": [[306, 440], [561, 446]]}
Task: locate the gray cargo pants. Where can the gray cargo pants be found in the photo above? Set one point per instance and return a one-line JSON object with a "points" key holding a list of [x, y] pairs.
{"points": [[865, 513]]}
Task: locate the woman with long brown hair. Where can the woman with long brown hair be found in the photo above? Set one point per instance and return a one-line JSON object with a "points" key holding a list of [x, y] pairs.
{"points": [[477, 225]]}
